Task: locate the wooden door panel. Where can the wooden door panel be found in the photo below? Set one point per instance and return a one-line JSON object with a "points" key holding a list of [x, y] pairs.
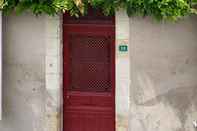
{"points": [[90, 29], [87, 99], [88, 121]]}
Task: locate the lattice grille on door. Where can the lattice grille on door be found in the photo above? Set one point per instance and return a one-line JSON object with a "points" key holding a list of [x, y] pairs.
{"points": [[90, 63]]}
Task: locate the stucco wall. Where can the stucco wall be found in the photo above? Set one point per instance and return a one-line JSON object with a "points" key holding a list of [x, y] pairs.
{"points": [[27, 101], [164, 75]]}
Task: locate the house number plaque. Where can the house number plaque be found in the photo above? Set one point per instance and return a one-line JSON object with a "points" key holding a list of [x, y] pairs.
{"points": [[123, 48]]}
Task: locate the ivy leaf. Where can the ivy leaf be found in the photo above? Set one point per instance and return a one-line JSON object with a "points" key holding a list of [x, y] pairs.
{"points": [[22, 6], [80, 5], [1, 4]]}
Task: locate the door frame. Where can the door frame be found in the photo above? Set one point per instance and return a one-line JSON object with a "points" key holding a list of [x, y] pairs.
{"points": [[54, 72]]}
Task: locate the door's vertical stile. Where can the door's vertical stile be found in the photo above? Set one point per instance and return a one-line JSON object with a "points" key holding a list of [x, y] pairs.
{"points": [[112, 71], [65, 73], [65, 61]]}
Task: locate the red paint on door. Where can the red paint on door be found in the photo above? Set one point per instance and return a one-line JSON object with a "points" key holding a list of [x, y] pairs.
{"points": [[89, 72]]}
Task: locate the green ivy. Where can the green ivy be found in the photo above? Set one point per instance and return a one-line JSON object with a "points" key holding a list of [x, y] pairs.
{"points": [[159, 9]]}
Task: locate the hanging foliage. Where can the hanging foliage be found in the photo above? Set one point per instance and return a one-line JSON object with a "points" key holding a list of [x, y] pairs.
{"points": [[159, 9]]}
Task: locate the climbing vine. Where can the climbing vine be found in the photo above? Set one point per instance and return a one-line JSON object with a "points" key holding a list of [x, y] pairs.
{"points": [[159, 9]]}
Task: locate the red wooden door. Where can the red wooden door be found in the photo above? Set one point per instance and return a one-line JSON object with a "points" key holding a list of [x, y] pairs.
{"points": [[89, 73]]}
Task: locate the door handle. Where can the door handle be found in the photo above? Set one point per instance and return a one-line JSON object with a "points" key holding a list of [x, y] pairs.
{"points": [[67, 96]]}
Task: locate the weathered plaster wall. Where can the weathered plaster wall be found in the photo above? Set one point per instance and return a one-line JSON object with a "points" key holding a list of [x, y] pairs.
{"points": [[164, 75], [29, 103]]}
